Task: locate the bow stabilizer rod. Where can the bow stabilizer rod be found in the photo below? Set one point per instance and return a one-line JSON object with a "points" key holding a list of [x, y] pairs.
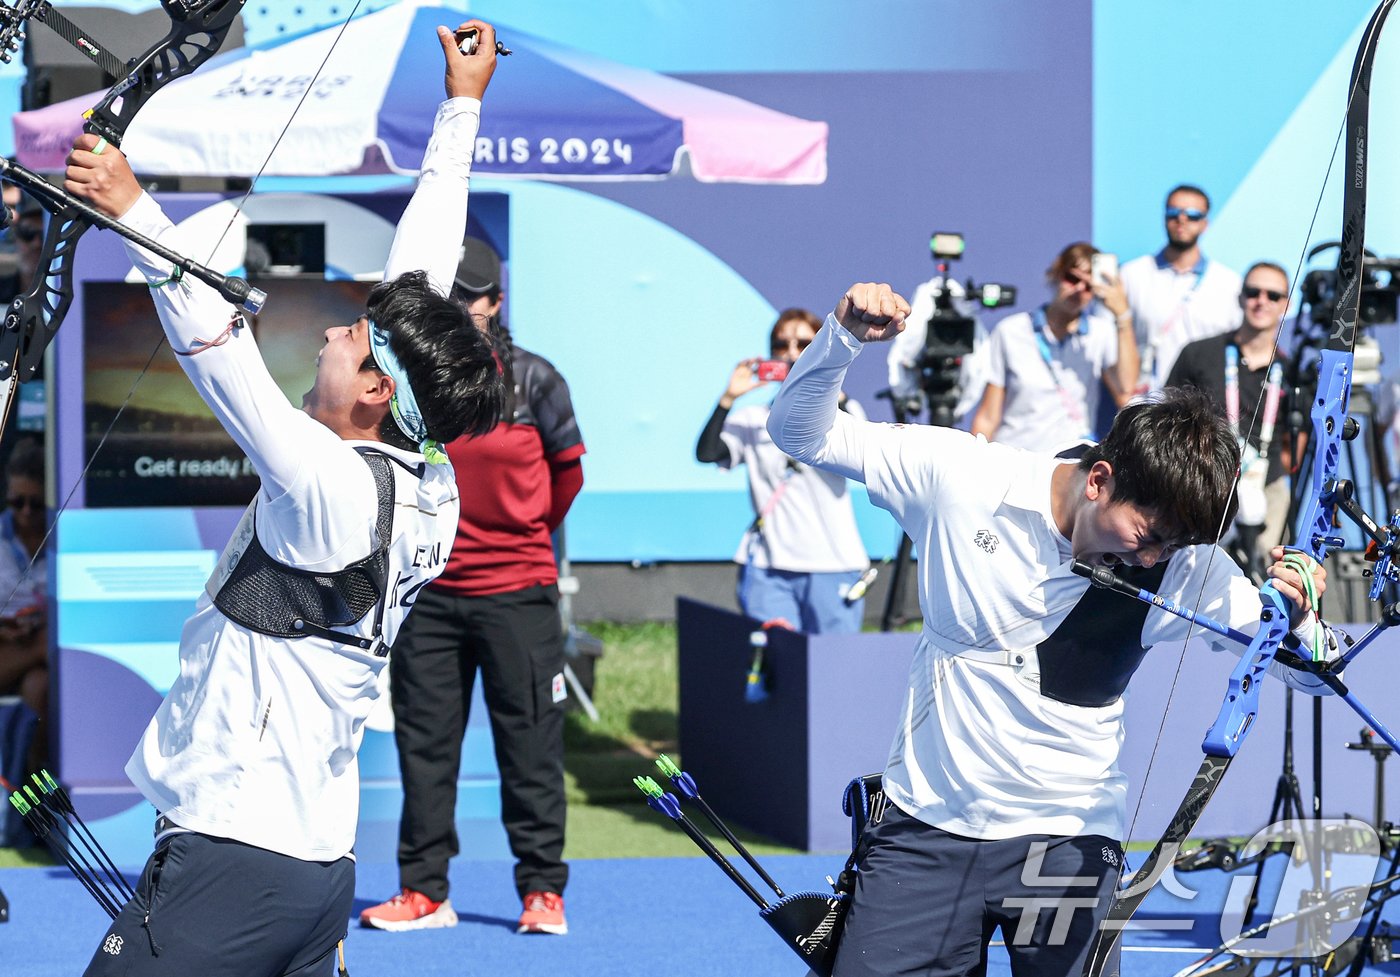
{"points": [[21, 351]]}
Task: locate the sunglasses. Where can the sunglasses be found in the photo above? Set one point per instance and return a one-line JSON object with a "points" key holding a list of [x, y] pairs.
{"points": [[24, 502], [1189, 213], [1253, 292]]}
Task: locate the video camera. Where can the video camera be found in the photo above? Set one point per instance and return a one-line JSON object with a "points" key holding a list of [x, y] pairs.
{"points": [[950, 332], [1377, 306], [1380, 289]]}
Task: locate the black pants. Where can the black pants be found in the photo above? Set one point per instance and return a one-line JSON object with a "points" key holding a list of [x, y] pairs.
{"points": [[517, 642], [928, 902], [219, 908]]}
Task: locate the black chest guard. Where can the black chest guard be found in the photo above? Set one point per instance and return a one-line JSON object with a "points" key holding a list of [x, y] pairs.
{"points": [[272, 598], [1097, 648]]}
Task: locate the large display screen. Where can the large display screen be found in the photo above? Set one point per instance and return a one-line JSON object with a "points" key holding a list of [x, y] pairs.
{"points": [[154, 442]]}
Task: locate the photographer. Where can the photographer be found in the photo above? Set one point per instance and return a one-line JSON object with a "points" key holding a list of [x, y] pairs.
{"points": [[802, 553], [1046, 370]]}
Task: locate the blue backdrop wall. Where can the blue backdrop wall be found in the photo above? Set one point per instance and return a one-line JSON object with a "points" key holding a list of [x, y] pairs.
{"points": [[1023, 125]]}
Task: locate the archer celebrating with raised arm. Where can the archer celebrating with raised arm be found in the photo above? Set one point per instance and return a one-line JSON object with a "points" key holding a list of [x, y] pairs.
{"points": [[1004, 769], [251, 759]]}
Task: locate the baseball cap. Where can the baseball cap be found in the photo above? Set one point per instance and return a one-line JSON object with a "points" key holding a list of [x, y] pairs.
{"points": [[479, 271]]}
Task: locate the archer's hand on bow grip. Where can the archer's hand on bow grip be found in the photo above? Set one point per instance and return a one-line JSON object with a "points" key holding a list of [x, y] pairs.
{"points": [[99, 173]]}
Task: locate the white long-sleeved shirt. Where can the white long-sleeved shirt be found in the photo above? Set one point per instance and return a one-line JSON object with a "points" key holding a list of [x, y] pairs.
{"points": [[257, 738], [979, 751]]}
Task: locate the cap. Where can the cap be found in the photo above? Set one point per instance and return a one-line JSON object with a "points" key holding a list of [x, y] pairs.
{"points": [[479, 271]]}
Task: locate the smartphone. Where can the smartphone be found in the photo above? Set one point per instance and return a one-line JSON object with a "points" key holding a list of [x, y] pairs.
{"points": [[1103, 268], [773, 370]]}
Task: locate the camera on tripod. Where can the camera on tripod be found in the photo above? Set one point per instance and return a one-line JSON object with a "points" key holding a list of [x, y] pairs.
{"points": [[950, 333], [1380, 288]]}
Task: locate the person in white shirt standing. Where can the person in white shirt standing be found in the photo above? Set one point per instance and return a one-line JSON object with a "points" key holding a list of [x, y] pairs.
{"points": [[1047, 369], [802, 554], [250, 761], [1003, 777], [1178, 295]]}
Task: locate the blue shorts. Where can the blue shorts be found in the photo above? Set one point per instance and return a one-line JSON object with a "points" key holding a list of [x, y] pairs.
{"points": [[928, 902], [814, 603], [220, 908]]}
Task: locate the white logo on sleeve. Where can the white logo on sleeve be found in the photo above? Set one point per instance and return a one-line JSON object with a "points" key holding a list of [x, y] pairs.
{"points": [[112, 945], [558, 689]]}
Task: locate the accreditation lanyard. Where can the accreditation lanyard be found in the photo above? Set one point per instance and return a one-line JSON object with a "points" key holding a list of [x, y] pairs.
{"points": [[1273, 392], [1075, 408], [1179, 312]]}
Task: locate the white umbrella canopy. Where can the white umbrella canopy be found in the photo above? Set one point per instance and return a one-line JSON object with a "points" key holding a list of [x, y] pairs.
{"points": [[552, 113]]}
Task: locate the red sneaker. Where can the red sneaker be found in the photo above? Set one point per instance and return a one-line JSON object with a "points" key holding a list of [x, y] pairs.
{"points": [[410, 910], [543, 913]]}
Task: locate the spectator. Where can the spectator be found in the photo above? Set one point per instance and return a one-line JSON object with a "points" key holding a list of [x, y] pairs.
{"points": [[1250, 380], [494, 609], [1047, 369], [802, 554], [1178, 295], [26, 232], [24, 641]]}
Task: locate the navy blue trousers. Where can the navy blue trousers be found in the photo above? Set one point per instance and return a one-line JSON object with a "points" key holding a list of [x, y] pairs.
{"points": [[928, 902], [219, 908]]}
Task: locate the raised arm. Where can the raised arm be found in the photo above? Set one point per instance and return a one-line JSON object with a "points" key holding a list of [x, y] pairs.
{"points": [[805, 421], [1122, 379], [430, 233]]}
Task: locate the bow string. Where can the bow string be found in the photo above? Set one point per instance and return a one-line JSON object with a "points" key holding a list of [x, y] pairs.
{"points": [[1326, 496], [198, 29]]}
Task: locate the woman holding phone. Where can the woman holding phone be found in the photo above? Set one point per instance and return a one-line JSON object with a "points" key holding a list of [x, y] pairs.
{"points": [[801, 561], [1047, 369]]}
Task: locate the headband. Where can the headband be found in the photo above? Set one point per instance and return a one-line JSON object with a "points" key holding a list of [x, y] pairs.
{"points": [[403, 405]]}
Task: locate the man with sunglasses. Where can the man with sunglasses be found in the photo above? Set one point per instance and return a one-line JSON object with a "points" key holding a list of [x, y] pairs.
{"points": [[1178, 295], [1252, 382]]}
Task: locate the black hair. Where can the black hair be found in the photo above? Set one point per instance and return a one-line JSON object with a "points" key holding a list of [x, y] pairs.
{"points": [[449, 363], [26, 460], [1190, 188], [501, 341], [1175, 457]]}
